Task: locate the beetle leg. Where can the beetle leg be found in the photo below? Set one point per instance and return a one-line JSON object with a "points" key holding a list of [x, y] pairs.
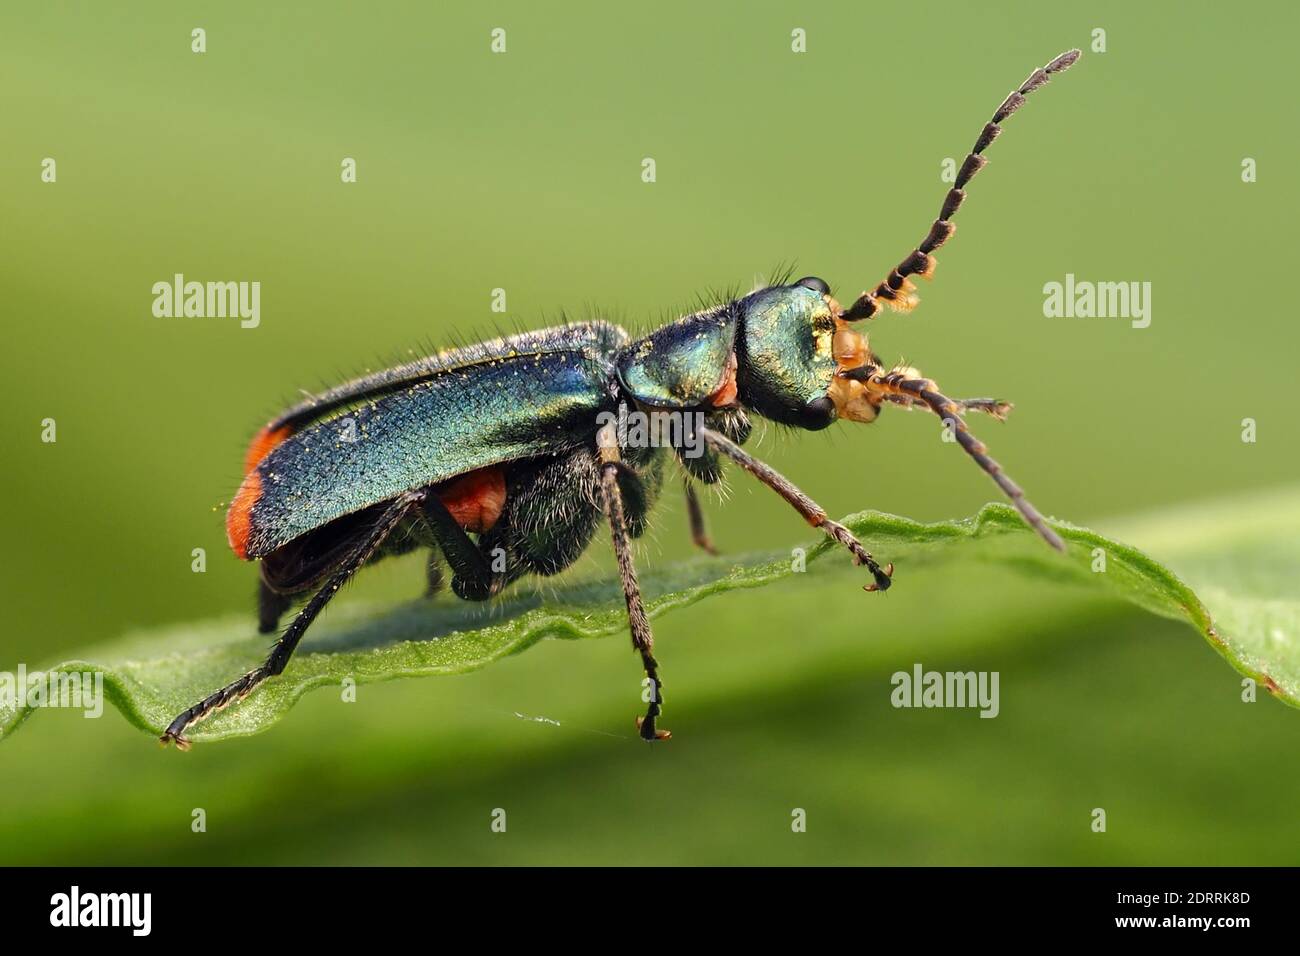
{"points": [[909, 384], [270, 605], [284, 647], [642, 638], [474, 578], [699, 533], [812, 512]]}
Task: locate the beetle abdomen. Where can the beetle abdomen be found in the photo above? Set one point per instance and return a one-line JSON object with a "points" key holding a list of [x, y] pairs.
{"points": [[477, 499]]}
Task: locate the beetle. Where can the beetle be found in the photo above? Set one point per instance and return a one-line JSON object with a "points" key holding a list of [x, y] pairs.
{"points": [[501, 458]]}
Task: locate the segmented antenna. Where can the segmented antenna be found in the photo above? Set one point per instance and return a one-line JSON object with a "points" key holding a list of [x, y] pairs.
{"points": [[897, 291]]}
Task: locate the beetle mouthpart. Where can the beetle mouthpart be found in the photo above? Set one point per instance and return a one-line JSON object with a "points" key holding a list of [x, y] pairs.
{"points": [[849, 346], [848, 390], [852, 400]]}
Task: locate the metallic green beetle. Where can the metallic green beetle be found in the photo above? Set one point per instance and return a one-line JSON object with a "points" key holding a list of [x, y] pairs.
{"points": [[501, 458]]}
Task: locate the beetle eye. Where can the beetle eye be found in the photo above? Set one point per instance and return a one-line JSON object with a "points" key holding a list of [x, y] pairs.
{"points": [[816, 284]]}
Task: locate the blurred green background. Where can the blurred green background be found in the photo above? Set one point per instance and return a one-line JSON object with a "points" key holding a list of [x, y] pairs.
{"points": [[522, 171]]}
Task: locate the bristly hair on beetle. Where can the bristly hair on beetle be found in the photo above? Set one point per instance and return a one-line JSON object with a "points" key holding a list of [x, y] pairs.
{"points": [[499, 458]]}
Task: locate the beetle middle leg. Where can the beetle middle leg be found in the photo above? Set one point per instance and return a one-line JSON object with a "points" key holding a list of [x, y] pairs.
{"points": [[699, 531], [477, 574], [705, 467], [812, 512], [363, 549]]}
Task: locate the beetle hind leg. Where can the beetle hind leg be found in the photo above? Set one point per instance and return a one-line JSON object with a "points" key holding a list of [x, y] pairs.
{"points": [[340, 574], [271, 605]]}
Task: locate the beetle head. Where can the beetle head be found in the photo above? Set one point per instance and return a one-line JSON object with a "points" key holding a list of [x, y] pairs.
{"points": [[792, 347]]}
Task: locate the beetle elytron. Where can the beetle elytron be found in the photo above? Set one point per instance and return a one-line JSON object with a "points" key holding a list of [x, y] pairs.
{"points": [[499, 441]]}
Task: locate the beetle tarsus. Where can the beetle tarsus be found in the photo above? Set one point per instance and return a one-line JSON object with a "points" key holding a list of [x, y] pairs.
{"points": [[884, 578], [705, 544], [648, 731], [861, 556], [168, 737]]}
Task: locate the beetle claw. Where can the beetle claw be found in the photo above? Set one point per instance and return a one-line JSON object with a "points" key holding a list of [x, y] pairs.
{"points": [[648, 731], [884, 578]]}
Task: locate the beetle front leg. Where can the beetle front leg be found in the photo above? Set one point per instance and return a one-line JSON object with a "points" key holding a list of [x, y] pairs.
{"points": [[906, 383], [643, 641], [812, 512]]}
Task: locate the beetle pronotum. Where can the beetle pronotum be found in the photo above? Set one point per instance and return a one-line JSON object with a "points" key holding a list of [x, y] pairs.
{"points": [[490, 456]]}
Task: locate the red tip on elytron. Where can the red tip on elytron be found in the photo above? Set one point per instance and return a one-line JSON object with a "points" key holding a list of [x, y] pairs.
{"points": [[263, 443], [239, 519]]}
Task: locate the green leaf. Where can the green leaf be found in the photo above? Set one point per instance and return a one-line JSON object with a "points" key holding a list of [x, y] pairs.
{"points": [[1237, 565]]}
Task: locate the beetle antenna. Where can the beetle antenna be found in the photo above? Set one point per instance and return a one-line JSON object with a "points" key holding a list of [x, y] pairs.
{"points": [[897, 291]]}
